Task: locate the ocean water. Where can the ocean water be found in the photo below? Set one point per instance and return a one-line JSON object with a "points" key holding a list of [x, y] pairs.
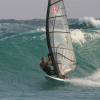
{"points": [[23, 43]]}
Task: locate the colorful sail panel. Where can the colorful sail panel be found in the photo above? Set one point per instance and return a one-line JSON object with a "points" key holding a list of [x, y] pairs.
{"points": [[59, 38]]}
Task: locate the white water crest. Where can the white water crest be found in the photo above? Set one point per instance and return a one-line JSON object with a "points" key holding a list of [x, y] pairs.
{"points": [[91, 81], [78, 36], [90, 21]]}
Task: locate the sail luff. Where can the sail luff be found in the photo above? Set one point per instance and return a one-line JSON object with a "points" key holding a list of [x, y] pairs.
{"points": [[48, 40]]}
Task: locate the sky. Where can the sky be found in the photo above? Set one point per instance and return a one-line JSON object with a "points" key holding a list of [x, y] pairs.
{"points": [[31, 9]]}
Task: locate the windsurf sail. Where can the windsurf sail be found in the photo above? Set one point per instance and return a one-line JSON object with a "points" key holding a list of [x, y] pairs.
{"points": [[59, 38]]}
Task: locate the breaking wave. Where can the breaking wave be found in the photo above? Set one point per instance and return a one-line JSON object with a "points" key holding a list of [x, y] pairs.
{"points": [[90, 22], [80, 36]]}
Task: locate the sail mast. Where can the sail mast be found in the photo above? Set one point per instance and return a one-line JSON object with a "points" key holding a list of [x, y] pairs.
{"points": [[48, 40]]}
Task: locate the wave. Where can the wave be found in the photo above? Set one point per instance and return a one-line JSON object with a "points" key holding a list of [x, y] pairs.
{"points": [[81, 36], [20, 26], [24, 52], [90, 22]]}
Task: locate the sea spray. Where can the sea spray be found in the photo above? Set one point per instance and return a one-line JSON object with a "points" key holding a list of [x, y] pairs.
{"points": [[92, 80], [84, 82]]}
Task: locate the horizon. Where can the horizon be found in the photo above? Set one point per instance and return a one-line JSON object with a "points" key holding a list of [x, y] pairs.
{"points": [[44, 18]]}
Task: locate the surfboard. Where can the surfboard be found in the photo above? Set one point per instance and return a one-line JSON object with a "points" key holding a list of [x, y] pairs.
{"points": [[54, 78]]}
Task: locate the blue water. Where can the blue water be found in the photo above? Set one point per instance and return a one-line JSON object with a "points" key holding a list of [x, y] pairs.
{"points": [[23, 43]]}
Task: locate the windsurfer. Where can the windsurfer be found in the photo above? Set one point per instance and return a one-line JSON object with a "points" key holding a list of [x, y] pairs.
{"points": [[46, 65]]}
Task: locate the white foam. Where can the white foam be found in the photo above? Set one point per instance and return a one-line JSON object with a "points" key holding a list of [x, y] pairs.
{"points": [[95, 75], [91, 81], [78, 36], [84, 82], [90, 21]]}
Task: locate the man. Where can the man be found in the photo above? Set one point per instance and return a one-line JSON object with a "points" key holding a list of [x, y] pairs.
{"points": [[44, 65]]}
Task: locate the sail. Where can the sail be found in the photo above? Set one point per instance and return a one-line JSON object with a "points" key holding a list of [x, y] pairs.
{"points": [[59, 38]]}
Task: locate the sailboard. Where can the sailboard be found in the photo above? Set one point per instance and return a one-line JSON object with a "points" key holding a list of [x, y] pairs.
{"points": [[56, 79], [59, 40]]}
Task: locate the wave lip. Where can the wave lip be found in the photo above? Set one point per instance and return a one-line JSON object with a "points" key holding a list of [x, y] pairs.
{"points": [[90, 22]]}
